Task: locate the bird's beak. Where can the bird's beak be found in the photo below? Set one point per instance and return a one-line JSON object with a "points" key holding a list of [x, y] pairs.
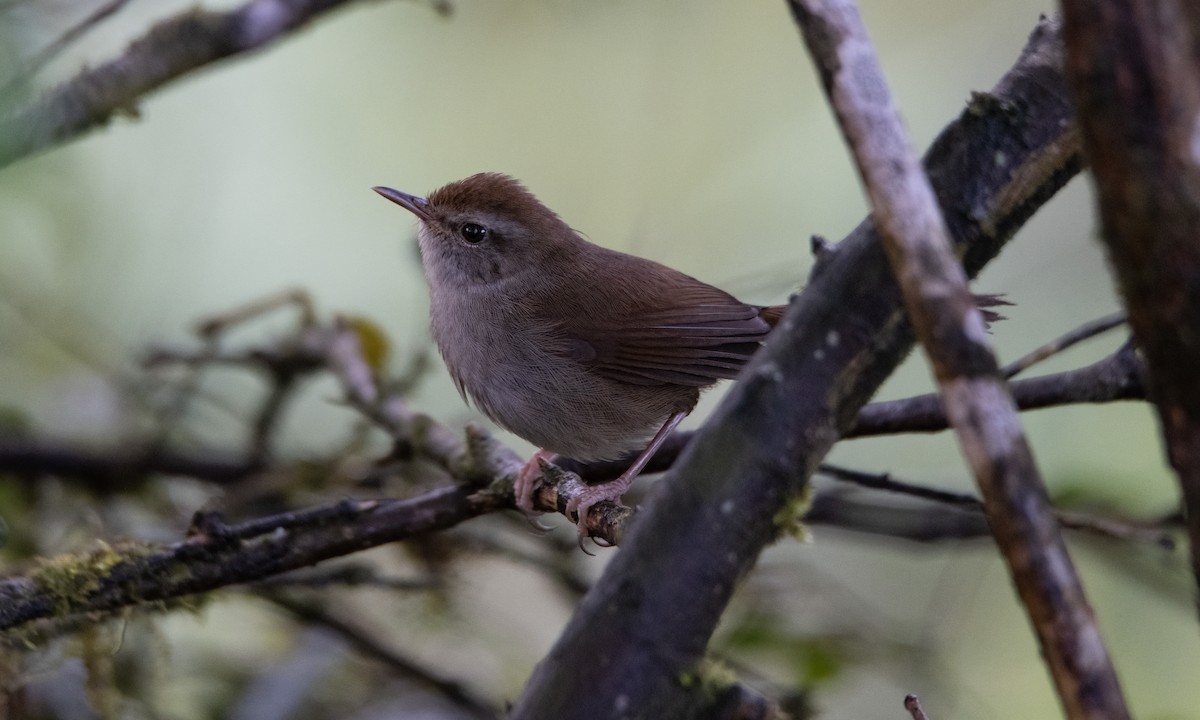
{"points": [[416, 205]]}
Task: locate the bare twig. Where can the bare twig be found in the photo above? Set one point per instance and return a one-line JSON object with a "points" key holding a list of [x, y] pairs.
{"points": [[1104, 527], [369, 646], [347, 575], [62, 42], [559, 565], [1054, 347], [112, 469], [952, 331], [841, 509], [216, 555], [170, 49], [1117, 377], [913, 705], [222, 322], [1135, 76]]}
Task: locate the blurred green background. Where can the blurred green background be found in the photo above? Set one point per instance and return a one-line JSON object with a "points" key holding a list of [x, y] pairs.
{"points": [[693, 133]]}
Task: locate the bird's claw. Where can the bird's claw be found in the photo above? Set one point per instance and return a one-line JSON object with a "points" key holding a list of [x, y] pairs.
{"points": [[537, 525], [527, 480], [579, 507], [581, 504]]}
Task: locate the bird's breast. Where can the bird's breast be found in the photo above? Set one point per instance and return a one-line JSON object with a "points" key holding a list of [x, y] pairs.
{"points": [[518, 371]]}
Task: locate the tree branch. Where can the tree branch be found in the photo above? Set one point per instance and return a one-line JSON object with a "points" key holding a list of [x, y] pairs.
{"points": [[954, 336], [113, 469], [733, 491], [1054, 347], [367, 645], [1116, 377], [1133, 68], [913, 705], [1104, 527], [62, 42], [169, 50], [216, 555]]}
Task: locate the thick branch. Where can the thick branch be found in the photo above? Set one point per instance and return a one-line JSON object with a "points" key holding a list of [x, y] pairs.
{"points": [[1133, 70], [645, 624], [216, 555], [953, 333]]}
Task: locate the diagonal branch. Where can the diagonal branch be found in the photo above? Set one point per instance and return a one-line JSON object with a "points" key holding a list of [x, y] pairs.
{"points": [[55, 48], [169, 50], [467, 701], [734, 490], [857, 337], [1054, 347], [952, 331]]}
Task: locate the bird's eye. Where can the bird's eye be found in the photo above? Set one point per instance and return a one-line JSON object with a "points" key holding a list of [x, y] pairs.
{"points": [[473, 232]]}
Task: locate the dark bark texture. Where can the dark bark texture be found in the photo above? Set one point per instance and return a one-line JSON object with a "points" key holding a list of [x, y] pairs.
{"points": [[636, 640], [1135, 74]]}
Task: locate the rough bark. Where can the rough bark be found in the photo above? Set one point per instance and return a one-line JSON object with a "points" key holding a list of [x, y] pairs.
{"points": [[634, 643], [1135, 73]]}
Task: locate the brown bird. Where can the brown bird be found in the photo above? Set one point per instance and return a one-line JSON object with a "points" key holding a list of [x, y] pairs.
{"points": [[584, 351]]}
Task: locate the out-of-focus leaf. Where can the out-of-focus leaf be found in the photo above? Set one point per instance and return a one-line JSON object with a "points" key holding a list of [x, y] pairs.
{"points": [[376, 348]]}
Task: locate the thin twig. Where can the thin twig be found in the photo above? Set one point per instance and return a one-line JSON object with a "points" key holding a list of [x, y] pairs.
{"points": [[116, 468], [61, 43], [886, 483], [913, 706], [170, 49], [254, 309], [347, 575], [368, 645], [1119, 376], [561, 566], [1052, 348], [1104, 527]]}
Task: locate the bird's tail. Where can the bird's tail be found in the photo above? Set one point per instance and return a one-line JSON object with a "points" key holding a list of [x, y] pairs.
{"points": [[772, 314]]}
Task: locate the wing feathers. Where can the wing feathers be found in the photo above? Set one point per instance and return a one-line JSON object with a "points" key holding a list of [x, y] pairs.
{"points": [[685, 352], [656, 326]]}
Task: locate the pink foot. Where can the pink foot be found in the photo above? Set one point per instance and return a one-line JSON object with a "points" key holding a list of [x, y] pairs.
{"points": [[527, 481], [583, 502]]}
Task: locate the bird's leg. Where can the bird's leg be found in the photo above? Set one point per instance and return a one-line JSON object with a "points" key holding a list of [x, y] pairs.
{"points": [[614, 489], [527, 481]]}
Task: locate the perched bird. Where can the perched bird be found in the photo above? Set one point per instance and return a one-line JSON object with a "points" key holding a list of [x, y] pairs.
{"points": [[584, 351]]}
